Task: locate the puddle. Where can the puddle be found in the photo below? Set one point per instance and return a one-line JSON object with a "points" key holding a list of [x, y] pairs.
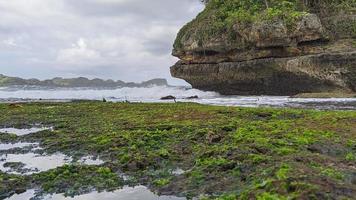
{"points": [[22, 132], [17, 145], [24, 196], [127, 193], [34, 162]]}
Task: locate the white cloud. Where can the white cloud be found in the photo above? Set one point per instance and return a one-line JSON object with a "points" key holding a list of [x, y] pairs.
{"points": [[10, 42], [79, 55], [119, 39]]}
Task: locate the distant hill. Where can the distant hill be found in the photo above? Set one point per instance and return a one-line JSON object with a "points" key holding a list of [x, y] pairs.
{"points": [[6, 81]]}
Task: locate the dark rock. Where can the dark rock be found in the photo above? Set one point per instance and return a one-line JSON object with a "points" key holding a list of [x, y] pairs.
{"points": [[329, 149], [14, 165], [170, 97], [213, 138], [20, 190], [18, 167], [14, 105], [193, 97], [274, 76]]}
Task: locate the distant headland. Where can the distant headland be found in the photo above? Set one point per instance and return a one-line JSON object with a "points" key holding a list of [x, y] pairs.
{"points": [[7, 81]]}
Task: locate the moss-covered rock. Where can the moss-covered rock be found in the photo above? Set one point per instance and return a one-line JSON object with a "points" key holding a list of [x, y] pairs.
{"points": [[235, 153], [243, 30]]}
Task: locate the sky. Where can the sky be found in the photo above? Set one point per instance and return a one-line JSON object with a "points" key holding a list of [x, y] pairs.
{"points": [[129, 40]]}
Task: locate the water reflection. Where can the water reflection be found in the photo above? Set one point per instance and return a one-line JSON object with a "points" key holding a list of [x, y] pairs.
{"points": [[24, 131], [127, 193], [34, 162], [17, 145]]}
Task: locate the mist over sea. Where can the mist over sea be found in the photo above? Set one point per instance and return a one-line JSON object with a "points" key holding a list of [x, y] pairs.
{"points": [[154, 93]]}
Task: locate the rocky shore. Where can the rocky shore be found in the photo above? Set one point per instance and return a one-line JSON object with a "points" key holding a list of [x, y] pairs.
{"points": [[183, 149]]}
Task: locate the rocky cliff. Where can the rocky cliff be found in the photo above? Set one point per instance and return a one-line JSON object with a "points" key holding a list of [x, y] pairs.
{"points": [[272, 47]]}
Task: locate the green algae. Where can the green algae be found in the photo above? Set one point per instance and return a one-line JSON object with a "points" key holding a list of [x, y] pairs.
{"points": [[74, 180], [226, 152]]}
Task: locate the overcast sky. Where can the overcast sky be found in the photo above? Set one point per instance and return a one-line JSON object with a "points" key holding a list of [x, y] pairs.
{"points": [[129, 40]]}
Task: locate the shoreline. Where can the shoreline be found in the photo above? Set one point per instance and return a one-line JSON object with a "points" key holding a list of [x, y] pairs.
{"points": [[224, 101], [325, 95]]}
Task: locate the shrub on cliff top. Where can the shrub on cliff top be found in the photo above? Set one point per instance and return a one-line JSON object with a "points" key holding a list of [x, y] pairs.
{"points": [[220, 15]]}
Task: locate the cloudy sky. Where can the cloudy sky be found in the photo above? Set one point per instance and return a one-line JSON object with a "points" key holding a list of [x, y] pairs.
{"points": [[129, 40]]}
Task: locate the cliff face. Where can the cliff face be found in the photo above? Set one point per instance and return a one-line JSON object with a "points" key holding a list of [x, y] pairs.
{"points": [[278, 48]]}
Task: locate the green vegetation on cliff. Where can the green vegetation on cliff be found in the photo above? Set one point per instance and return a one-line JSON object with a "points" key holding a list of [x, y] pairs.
{"points": [[225, 152], [223, 16]]}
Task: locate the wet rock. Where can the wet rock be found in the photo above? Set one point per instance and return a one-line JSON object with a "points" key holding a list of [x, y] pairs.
{"points": [[213, 138], [136, 165], [14, 105], [14, 165], [169, 97], [264, 115], [20, 190], [193, 97], [328, 149], [18, 167]]}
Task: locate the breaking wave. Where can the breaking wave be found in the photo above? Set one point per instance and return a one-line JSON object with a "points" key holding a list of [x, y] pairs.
{"points": [[154, 93]]}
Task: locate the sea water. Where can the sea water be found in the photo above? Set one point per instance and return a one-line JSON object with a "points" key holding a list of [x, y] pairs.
{"points": [[154, 93]]}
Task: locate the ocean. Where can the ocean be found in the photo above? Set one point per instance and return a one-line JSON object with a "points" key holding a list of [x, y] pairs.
{"points": [[154, 93]]}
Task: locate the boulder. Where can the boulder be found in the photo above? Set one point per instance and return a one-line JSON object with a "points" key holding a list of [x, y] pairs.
{"points": [[169, 97]]}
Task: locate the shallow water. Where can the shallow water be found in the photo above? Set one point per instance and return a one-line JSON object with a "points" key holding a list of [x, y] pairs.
{"points": [[153, 94], [38, 163], [35, 162], [127, 193], [282, 101], [24, 131], [16, 145], [120, 94]]}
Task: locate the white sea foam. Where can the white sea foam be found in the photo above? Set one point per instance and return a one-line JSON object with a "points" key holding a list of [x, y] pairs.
{"points": [[153, 94], [130, 94]]}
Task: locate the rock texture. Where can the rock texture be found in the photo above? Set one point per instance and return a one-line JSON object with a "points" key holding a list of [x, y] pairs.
{"points": [[314, 53]]}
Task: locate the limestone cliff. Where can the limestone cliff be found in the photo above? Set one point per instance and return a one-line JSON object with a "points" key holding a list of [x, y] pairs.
{"points": [[274, 47]]}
